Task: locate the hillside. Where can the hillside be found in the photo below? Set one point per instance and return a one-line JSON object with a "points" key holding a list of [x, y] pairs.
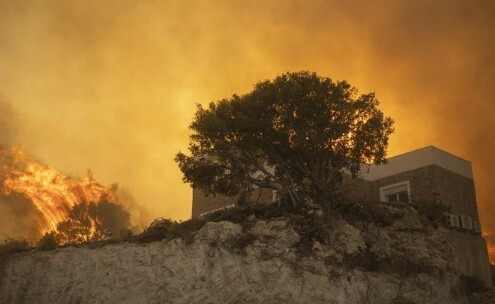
{"points": [[384, 255]]}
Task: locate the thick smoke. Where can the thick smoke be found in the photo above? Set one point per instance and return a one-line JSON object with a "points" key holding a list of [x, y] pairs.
{"points": [[7, 124], [18, 218], [17, 215], [112, 85]]}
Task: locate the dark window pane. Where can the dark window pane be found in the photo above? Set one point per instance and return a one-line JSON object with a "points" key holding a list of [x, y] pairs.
{"points": [[403, 197], [391, 197]]}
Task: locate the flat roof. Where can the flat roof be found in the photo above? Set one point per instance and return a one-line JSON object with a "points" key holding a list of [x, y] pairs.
{"points": [[416, 159]]}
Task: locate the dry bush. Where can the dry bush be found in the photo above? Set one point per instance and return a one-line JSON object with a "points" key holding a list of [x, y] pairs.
{"points": [[161, 229], [12, 245], [165, 229], [433, 211], [48, 241], [156, 231], [381, 214], [185, 230]]}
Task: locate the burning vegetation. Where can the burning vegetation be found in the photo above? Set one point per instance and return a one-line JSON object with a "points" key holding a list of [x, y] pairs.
{"points": [[70, 209], [490, 240], [39, 202]]}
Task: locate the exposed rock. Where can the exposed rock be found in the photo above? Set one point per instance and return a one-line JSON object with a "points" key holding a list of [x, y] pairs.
{"points": [[381, 245], [218, 233], [347, 238], [357, 265], [317, 246], [273, 239]]}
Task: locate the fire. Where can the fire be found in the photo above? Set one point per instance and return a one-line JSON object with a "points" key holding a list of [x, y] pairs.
{"points": [[51, 192], [490, 245]]}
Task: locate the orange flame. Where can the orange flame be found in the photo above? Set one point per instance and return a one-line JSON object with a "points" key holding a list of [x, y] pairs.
{"points": [[52, 193], [490, 245]]}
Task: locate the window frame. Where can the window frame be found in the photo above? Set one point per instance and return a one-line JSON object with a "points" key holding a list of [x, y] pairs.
{"points": [[384, 190]]}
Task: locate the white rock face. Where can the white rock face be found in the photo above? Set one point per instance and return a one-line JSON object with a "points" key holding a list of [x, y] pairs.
{"points": [[212, 270]]}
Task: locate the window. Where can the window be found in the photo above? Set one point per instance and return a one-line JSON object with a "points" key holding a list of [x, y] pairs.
{"points": [[395, 193], [397, 197]]}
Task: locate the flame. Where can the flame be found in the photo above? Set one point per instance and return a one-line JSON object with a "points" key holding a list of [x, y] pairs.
{"points": [[490, 245], [51, 192]]}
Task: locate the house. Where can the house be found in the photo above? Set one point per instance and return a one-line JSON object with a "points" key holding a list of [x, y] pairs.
{"points": [[427, 175]]}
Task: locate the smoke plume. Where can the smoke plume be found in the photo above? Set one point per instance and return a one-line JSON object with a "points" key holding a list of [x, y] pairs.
{"points": [[7, 124], [18, 218], [17, 214], [111, 85]]}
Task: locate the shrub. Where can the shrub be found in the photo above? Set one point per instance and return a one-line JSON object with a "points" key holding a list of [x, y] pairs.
{"points": [[433, 211], [48, 241], [310, 229], [161, 228], [156, 231], [126, 234], [12, 245], [185, 230], [380, 214]]}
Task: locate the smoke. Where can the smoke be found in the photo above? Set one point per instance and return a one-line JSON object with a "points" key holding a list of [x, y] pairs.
{"points": [[7, 124], [17, 215], [18, 218], [112, 85]]}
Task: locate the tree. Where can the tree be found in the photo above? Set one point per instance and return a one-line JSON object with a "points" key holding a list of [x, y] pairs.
{"points": [[297, 134], [93, 222]]}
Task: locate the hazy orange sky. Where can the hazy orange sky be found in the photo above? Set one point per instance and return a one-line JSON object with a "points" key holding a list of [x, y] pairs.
{"points": [[111, 86]]}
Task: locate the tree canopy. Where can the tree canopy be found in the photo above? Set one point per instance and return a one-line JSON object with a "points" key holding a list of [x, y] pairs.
{"points": [[297, 134]]}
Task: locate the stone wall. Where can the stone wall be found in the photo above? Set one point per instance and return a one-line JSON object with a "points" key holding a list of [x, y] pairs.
{"points": [[203, 203], [435, 184], [357, 189]]}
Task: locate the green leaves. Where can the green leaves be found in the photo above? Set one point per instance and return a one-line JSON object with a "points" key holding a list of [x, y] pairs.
{"points": [[300, 126]]}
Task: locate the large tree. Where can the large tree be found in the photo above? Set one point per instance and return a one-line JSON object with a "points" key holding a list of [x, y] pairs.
{"points": [[297, 134]]}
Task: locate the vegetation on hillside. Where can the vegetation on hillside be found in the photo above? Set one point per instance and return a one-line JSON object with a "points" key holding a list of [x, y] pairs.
{"points": [[13, 245]]}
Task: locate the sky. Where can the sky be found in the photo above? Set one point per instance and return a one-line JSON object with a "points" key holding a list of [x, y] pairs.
{"points": [[112, 85]]}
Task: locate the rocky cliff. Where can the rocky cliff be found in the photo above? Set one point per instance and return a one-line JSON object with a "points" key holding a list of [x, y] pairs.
{"points": [[397, 258]]}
